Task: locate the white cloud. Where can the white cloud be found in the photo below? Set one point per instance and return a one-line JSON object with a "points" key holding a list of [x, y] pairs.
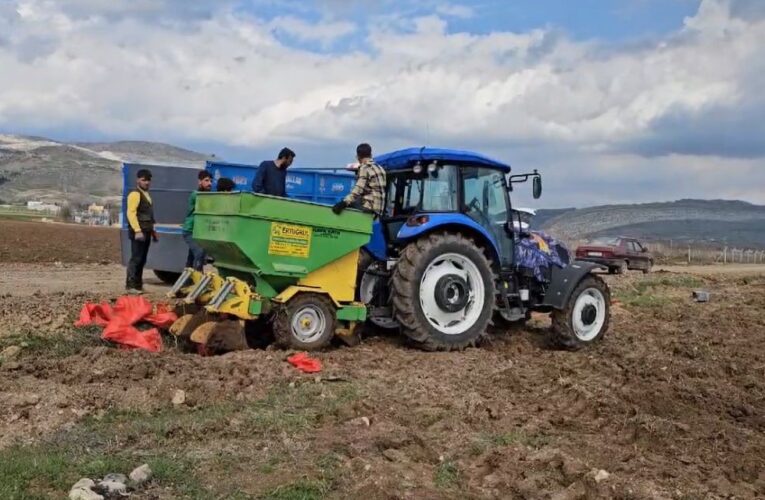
{"points": [[227, 77], [324, 32], [454, 10]]}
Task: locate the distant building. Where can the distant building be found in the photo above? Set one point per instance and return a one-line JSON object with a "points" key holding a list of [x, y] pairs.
{"points": [[40, 206], [94, 209]]}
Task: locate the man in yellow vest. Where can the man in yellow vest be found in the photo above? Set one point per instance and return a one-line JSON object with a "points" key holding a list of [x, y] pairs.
{"points": [[140, 216]]}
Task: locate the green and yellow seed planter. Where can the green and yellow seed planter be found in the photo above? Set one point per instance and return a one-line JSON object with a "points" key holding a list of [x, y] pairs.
{"points": [[294, 261]]}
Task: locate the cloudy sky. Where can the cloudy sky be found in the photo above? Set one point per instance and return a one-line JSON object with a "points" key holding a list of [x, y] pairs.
{"points": [[612, 100]]}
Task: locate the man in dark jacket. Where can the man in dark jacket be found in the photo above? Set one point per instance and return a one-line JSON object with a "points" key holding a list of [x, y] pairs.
{"points": [[196, 257], [272, 175], [140, 216]]}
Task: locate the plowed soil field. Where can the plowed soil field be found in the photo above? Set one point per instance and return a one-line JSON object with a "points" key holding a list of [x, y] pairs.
{"points": [[671, 404]]}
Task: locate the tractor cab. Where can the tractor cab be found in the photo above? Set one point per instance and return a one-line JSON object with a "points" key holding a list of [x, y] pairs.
{"points": [[459, 190]]}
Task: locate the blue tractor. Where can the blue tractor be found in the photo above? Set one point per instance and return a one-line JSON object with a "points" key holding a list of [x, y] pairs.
{"points": [[444, 261]]}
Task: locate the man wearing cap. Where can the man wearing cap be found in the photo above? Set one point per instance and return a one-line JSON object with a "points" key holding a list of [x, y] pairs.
{"points": [[140, 216], [272, 175]]}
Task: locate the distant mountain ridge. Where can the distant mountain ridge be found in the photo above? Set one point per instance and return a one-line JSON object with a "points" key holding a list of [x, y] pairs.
{"points": [[37, 168], [722, 222]]}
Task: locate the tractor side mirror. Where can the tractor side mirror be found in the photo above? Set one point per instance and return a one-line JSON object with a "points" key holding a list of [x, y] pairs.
{"points": [[537, 187]]}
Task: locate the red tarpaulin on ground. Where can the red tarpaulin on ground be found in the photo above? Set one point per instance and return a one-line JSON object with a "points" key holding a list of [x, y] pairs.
{"points": [[119, 321], [305, 363]]}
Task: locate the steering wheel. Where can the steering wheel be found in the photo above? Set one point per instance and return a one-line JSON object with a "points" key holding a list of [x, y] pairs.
{"points": [[475, 205]]}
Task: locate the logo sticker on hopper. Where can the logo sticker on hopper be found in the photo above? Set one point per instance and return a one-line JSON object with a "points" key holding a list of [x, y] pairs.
{"points": [[289, 240]]}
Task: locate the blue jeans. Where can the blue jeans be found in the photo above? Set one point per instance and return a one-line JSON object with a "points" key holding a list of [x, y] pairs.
{"points": [[197, 256]]}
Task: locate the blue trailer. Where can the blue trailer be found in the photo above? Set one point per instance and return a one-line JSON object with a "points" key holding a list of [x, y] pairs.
{"points": [[170, 189]]}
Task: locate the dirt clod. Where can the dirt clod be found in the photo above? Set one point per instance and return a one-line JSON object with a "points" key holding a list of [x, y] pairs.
{"points": [[179, 398]]}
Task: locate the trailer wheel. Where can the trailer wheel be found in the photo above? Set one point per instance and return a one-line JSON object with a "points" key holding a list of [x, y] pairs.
{"points": [[306, 322], [167, 277], [585, 318], [443, 292]]}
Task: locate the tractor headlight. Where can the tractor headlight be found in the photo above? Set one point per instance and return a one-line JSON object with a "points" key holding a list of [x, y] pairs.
{"points": [[417, 169], [432, 167]]}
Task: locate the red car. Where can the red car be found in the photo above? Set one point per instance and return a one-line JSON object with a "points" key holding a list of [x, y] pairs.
{"points": [[619, 254]]}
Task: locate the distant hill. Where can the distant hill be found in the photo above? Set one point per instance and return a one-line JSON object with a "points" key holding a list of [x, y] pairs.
{"points": [[155, 153], [546, 214], [719, 222], [36, 168]]}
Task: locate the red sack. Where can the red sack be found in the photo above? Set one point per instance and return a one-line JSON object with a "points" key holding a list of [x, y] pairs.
{"points": [[305, 363], [95, 314], [163, 316], [132, 308], [119, 321], [128, 335]]}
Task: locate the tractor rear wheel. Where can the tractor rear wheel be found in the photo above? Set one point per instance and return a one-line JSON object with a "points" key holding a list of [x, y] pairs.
{"points": [[585, 318], [306, 322], [443, 292]]}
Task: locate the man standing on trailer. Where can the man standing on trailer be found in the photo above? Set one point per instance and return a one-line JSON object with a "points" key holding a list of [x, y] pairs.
{"points": [[196, 257], [369, 189], [140, 216], [272, 175]]}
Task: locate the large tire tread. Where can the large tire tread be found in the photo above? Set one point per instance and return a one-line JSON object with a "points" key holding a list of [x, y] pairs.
{"points": [[405, 293]]}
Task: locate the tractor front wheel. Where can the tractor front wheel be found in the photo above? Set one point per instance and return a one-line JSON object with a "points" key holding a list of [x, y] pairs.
{"points": [[443, 292], [584, 319], [306, 322]]}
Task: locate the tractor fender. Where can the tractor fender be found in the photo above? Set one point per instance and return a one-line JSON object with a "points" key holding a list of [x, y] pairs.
{"points": [[451, 222], [563, 280]]}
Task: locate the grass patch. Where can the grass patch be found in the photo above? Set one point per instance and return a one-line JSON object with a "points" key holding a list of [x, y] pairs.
{"points": [[24, 217], [270, 466], [447, 475], [285, 409], [677, 281], [119, 441], [48, 470], [56, 345], [652, 292], [301, 490]]}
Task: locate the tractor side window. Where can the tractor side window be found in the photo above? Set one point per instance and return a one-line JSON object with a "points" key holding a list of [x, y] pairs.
{"points": [[433, 192]]}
